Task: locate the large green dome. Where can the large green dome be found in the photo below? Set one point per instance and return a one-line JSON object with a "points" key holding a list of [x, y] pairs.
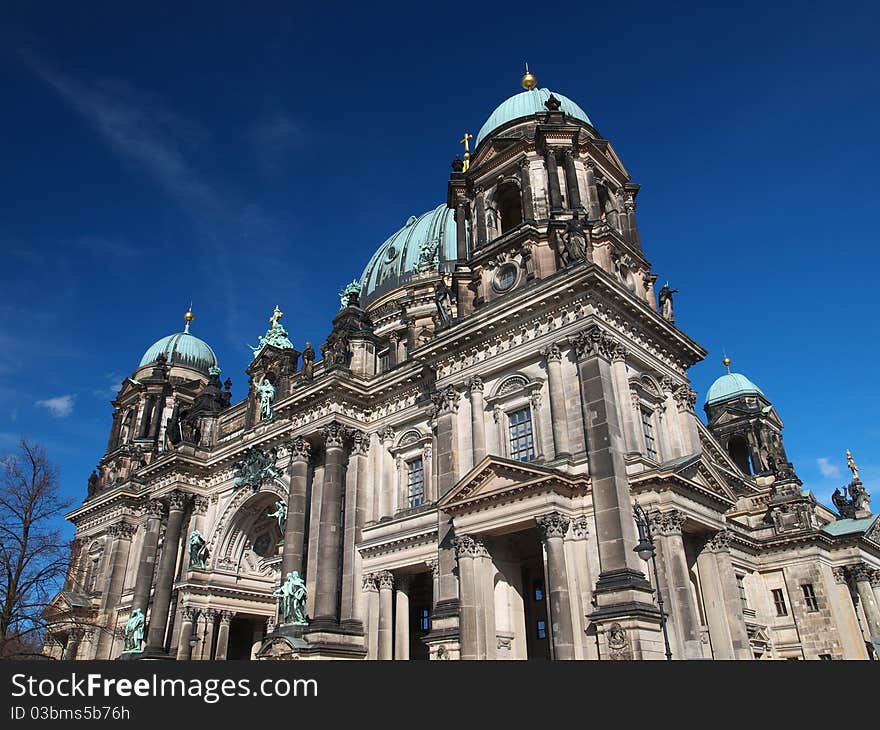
{"points": [[427, 243], [526, 104], [731, 385], [182, 349]]}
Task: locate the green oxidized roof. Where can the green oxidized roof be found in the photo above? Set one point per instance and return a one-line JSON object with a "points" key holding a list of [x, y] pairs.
{"points": [[525, 104], [731, 385], [850, 526], [429, 239], [182, 349]]}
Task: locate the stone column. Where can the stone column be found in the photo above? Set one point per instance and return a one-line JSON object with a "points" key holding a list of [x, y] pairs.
{"points": [[525, 184], [167, 568], [671, 421], [388, 480], [223, 636], [184, 648], [724, 616], [480, 205], [862, 575], [371, 589], [329, 539], [632, 436], [571, 181], [558, 414], [386, 591], [401, 616], [294, 528], [583, 603], [469, 549], [843, 612], [553, 527], [147, 562], [355, 517], [685, 400], [209, 615], [478, 419], [553, 179], [666, 527], [875, 584], [460, 234], [121, 534]]}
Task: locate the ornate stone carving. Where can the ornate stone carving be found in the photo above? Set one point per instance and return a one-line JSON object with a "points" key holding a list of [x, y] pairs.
{"points": [[360, 444], [300, 449], [153, 508], [668, 385], [594, 341], [370, 583], [475, 384], [469, 546], [188, 613], [666, 523], [386, 580], [434, 566], [445, 400], [334, 434], [861, 572], [840, 575], [719, 542], [875, 578], [580, 527], [177, 500], [553, 353], [210, 614], [620, 352], [255, 468], [552, 525], [618, 643], [200, 505], [386, 434], [685, 397], [121, 530], [226, 617]]}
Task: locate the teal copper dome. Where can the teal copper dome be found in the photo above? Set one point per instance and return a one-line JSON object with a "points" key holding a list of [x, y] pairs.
{"points": [[525, 104], [182, 349], [426, 244], [731, 385]]}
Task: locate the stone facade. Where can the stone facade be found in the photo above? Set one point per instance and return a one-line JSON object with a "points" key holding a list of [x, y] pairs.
{"points": [[457, 472]]}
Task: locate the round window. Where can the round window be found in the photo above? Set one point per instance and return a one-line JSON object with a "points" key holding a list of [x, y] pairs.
{"points": [[505, 278]]}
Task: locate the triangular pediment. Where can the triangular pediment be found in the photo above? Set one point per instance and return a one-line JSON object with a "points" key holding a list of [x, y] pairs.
{"points": [[498, 479], [696, 472]]}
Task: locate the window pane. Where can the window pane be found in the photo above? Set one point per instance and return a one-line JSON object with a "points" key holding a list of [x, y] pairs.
{"points": [[415, 482], [520, 435]]}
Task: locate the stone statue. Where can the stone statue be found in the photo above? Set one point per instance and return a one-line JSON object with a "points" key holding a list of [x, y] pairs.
{"points": [[280, 514], [349, 295], [198, 550], [308, 368], [839, 500], [293, 600], [266, 393], [254, 468], [666, 303], [443, 301], [134, 631], [861, 500], [852, 465], [94, 480]]}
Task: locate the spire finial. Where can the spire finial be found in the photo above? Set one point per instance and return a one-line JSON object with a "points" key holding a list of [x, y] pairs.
{"points": [[852, 465], [188, 317], [276, 315], [726, 362], [529, 81]]}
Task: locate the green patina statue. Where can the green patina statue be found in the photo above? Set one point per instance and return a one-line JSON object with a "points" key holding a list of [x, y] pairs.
{"points": [[292, 609], [134, 631], [280, 514], [354, 288], [266, 393], [198, 550]]}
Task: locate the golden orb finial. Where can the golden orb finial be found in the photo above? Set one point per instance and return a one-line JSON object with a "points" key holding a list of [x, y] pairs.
{"points": [[529, 81], [726, 363], [188, 317]]}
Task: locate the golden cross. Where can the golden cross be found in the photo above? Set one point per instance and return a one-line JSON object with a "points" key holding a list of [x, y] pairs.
{"points": [[466, 140], [276, 315]]}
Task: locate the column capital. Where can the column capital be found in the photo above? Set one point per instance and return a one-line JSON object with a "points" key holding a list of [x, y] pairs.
{"points": [[153, 508], [121, 530], [386, 580], [594, 341], [188, 612], [524, 163], [445, 400], [552, 353], [685, 397], [469, 546], [177, 500], [370, 583], [334, 434], [200, 505], [719, 542], [209, 613], [668, 522], [861, 572], [619, 353], [840, 575], [386, 434], [552, 525], [580, 527], [434, 566], [226, 617], [475, 384], [360, 444], [875, 578], [300, 449]]}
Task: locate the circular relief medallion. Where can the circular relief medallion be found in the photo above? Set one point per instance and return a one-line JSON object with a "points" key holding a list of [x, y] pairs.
{"points": [[505, 277]]}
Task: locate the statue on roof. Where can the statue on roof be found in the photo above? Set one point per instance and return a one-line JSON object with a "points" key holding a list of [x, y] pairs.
{"points": [[443, 302], [349, 293], [665, 297], [265, 391], [852, 465], [308, 368]]}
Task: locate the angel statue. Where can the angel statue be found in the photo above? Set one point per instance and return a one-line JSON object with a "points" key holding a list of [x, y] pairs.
{"points": [[280, 514], [266, 393], [134, 631], [292, 593], [198, 550]]}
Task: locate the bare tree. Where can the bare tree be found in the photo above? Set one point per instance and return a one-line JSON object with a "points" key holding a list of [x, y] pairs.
{"points": [[33, 555]]}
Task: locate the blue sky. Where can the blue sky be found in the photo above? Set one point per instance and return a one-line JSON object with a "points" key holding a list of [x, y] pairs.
{"points": [[247, 157]]}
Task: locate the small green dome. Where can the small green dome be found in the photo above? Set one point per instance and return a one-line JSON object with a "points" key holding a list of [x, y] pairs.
{"points": [[731, 385], [427, 243], [182, 349], [526, 104]]}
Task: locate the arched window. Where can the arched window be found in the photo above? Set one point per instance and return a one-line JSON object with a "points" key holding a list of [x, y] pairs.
{"points": [[508, 202], [738, 448]]}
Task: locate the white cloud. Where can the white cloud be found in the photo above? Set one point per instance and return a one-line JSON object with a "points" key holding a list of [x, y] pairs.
{"points": [[59, 407], [828, 470], [113, 381]]}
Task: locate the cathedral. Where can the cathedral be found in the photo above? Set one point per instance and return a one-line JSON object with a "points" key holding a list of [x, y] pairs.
{"points": [[495, 454]]}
